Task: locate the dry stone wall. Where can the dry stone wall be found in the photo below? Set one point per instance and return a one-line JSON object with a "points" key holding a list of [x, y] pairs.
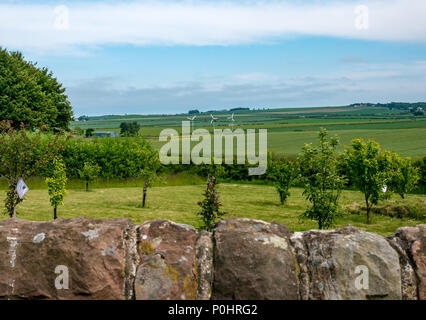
{"points": [[241, 259]]}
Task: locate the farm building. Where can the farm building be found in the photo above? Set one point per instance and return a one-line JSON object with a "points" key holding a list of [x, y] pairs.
{"points": [[103, 134]]}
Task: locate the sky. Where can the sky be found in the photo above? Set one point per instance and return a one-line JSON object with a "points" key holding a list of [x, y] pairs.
{"points": [[165, 57]]}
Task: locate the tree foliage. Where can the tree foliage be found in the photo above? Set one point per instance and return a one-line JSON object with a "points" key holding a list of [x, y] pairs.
{"points": [[403, 176], [31, 95], [129, 129], [78, 131], [368, 169], [56, 184], [210, 206], [282, 172], [118, 158], [23, 154], [89, 173], [321, 179], [89, 132]]}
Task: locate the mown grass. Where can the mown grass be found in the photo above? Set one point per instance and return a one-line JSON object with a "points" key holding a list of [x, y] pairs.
{"points": [[172, 179], [179, 203]]}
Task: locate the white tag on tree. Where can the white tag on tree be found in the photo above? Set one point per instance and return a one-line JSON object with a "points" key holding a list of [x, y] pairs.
{"points": [[21, 188], [384, 188]]}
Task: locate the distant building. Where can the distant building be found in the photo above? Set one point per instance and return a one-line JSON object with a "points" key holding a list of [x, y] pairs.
{"points": [[103, 134]]}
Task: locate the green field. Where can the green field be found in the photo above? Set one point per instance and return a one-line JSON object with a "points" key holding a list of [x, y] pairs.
{"points": [[289, 129], [178, 203]]}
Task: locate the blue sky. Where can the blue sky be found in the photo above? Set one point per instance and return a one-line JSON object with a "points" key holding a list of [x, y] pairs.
{"points": [[160, 57]]}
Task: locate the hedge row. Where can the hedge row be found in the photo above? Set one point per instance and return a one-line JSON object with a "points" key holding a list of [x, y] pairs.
{"points": [[127, 157]]}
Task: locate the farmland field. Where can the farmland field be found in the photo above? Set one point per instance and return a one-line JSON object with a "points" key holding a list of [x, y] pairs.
{"points": [[289, 129]]}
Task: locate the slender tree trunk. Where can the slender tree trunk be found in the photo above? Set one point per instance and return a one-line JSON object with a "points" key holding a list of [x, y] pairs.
{"points": [[145, 189], [87, 185], [14, 211], [55, 216], [402, 195], [368, 209]]}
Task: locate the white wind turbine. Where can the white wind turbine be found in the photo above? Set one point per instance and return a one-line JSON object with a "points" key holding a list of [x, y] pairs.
{"points": [[232, 121], [213, 120], [192, 119]]}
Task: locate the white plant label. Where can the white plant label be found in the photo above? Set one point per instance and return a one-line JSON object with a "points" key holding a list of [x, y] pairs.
{"points": [[21, 188]]}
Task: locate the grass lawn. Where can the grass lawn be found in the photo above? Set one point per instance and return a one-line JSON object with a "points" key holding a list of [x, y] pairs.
{"points": [[179, 203]]}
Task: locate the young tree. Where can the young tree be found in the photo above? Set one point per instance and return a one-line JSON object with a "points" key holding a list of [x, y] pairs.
{"points": [[89, 173], [368, 169], [22, 155], [323, 184], [404, 175], [56, 184], [210, 206], [150, 172], [282, 172]]}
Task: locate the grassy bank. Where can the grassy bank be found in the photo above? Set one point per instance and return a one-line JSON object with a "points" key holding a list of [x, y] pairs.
{"points": [[179, 203]]}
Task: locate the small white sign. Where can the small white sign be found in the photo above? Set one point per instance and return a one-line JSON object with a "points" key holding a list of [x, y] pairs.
{"points": [[384, 188], [21, 188]]}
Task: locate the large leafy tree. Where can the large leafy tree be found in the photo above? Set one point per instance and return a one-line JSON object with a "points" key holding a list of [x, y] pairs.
{"points": [[322, 181], [369, 170], [31, 95]]}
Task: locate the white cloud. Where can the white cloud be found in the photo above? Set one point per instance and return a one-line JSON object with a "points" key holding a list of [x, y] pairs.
{"points": [[373, 83], [30, 26]]}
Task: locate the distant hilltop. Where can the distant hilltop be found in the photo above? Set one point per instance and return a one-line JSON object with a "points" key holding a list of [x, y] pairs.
{"points": [[416, 107], [393, 105]]}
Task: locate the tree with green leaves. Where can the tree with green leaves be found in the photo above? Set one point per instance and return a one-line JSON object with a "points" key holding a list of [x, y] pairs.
{"points": [[22, 154], [368, 168], [321, 179], [89, 132], [420, 164], [31, 95], [89, 173], [403, 176], [210, 211], [282, 172], [129, 129], [56, 184]]}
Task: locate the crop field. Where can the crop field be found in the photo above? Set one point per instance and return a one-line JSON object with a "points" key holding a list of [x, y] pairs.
{"points": [[179, 204], [290, 129]]}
